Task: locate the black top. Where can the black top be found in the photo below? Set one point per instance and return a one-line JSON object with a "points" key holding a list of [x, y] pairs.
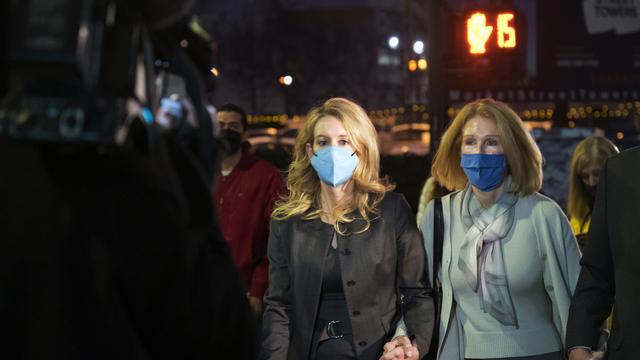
{"points": [[332, 274]]}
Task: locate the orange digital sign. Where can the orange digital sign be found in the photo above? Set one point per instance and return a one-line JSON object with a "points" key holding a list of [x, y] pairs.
{"points": [[480, 31]]}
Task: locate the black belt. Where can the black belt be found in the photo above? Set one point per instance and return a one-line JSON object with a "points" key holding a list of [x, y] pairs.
{"points": [[333, 317]]}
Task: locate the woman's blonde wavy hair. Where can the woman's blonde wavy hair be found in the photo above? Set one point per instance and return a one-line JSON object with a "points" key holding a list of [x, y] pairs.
{"points": [[593, 150], [524, 160], [304, 184]]}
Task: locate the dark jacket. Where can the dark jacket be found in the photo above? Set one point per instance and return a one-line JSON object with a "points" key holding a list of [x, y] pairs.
{"points": [[610, 265], [114, 256], [377, 266]]}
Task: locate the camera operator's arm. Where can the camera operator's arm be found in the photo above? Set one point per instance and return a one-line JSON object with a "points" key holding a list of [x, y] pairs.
{"points": [[198, 139], [180, 261]]}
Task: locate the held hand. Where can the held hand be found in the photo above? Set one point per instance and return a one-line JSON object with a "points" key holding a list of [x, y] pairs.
{"points": [[584, 354], [256, 306], [400, 348]]}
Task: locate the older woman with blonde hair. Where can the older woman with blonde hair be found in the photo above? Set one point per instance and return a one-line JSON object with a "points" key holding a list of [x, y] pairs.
{"points": [[346, 259], [588, 158], [510, 262]]}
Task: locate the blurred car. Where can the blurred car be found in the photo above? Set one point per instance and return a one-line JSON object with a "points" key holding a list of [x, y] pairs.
{"points": [[383, 132], [262, 137], [410, 138], [287, 136]]}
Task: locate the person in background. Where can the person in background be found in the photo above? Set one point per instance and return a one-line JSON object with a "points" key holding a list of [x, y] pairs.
{"points": [[432, 189], [588, 158], [346, 259], [245, 191], [610, 266]]}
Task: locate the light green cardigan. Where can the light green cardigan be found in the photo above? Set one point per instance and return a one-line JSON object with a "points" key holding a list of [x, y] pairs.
{"points": [[540, 242]]}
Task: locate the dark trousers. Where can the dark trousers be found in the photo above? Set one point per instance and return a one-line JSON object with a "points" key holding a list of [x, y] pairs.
{"points": [[548, 356]]}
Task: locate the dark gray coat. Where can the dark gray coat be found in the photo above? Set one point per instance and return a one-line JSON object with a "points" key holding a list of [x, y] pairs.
{"points": [[377, 266]]}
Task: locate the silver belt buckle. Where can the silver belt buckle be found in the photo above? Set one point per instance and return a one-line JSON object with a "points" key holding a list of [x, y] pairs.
{"points": [[334, 330]]}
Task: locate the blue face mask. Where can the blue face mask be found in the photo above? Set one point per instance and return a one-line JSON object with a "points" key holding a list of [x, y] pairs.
{"points": [[484, 171], [334, 165]]}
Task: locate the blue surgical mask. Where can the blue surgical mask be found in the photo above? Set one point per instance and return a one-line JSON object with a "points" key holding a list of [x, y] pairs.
{"points": [[334, 165], [484, 171]]}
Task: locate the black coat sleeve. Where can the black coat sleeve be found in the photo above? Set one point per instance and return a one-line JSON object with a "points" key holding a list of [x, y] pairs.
{"points": [[593, 298], [418, 306], [277, 301]]}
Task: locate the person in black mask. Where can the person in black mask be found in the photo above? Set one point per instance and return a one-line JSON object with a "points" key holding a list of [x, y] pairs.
{"points": [[244, 191], [587, 161]]}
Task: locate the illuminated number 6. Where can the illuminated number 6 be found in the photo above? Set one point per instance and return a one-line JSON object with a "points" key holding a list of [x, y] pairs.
{"points": [[505, 30]]}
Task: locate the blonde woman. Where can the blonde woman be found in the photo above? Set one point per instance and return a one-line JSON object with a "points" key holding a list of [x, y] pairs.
{"points": [[588, 158], [343, 249], [510, 262]]}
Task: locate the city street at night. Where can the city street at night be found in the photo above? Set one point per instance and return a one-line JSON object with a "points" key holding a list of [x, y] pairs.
{"points": [[319, 179]]}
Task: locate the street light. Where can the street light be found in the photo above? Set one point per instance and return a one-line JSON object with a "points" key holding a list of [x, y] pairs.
{"points": [[413, 65], [285, 80], [422, 64], [394, 42], [418, 47]]}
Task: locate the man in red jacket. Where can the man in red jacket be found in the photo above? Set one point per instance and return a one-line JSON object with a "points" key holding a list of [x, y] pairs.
{"points": [[245, 191]]}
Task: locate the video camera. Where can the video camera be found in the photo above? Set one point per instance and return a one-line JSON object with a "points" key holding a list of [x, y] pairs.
{"points": [[80, 71]]}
